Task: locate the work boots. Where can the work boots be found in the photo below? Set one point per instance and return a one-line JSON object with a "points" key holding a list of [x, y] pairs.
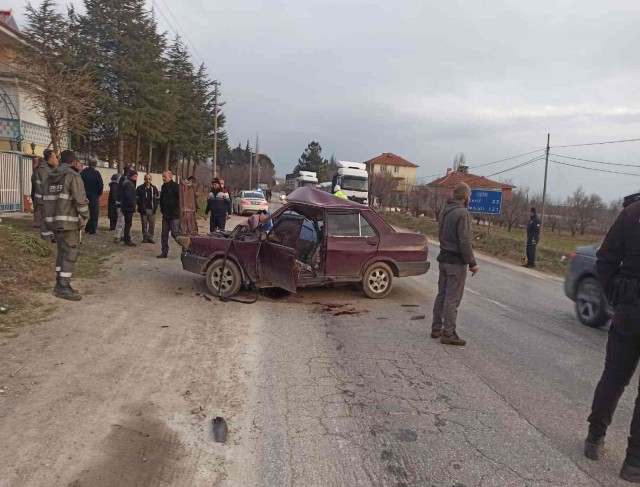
{"points": [[64, 291], [452, 339], [594, 446], [58, 285]]}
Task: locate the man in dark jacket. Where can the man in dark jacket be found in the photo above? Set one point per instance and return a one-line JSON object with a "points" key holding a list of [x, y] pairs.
{"points": [[170, 208], [148, 198], [42, 170], [128, 205], [219, 205], [113, 196], [618, 267], [93, 186], [456, 256], [533, 237]]}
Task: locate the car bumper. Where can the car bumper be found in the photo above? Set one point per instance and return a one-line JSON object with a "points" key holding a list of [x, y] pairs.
{"points": [[406, 269], [253, 208], [194, 263]]}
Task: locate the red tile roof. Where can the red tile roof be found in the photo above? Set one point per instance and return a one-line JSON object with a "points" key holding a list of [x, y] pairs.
{"points": [[391, 160], [453, 178]]}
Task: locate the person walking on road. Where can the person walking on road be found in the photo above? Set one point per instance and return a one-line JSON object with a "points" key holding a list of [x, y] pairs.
{"points": [[618, 265], [219, 205], [170, 209], [93, 186], [128, 205], [148, 198], [120, 219], [337, 191], [41, 172], [113, 195], [533, 238], [456, 256], [66, 212]]}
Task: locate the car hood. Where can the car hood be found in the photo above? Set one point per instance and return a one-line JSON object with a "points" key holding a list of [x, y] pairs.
{"points": [[589, 250]]}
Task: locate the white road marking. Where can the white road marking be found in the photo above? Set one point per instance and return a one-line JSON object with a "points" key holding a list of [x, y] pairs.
{"points": [[497, 303]]}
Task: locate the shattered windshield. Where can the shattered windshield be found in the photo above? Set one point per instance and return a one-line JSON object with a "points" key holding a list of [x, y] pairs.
{"points": [[354, 183]]}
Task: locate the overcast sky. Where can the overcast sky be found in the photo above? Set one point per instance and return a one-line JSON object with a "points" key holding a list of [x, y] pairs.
{"points": [[427, 80]]}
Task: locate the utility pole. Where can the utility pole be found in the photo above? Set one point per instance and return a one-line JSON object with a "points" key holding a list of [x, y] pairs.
{"points": [[544, 190], [256, 159], [215, 129], [250, 167], [150, 155]]}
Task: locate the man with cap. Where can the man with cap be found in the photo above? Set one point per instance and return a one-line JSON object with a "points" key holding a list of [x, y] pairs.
{"points": [[219, 205], [112, 206], [128, 205], [93, 186], [455, 259], [533, 237], [618, 266], [66, 211], [337, 191]]}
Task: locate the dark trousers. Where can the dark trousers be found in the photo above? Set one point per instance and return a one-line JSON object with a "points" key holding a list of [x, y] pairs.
{"points": [[623, 352], [94, 213], [68, 242], [217, 222], [113, 221], [450, 290], [169, 224], [531, 252], [128, 221]]}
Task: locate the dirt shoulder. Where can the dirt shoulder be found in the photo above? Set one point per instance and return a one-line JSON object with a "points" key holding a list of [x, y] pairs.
{"points": [[121, 387]]}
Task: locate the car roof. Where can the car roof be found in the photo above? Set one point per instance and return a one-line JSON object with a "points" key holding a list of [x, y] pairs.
{"points": [[309, 195]]}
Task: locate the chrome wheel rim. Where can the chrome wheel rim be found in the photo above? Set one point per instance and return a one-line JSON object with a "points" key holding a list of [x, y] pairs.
{"points": [[226, 283], [378, 281], [588, 300]]}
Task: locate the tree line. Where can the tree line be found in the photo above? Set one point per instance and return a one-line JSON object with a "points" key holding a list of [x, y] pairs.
{"points": [[121, 89]]}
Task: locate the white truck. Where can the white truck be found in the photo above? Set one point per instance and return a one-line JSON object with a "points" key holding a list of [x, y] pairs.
{"points": [[300, 179], [353, 180]]}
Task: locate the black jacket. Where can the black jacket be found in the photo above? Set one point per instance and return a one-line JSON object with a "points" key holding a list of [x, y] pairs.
{"points": [[113, 194], [218, 203], [170, 200], [533, 229], [128, 201], [619, 257], [92, 180], [141, 197]]}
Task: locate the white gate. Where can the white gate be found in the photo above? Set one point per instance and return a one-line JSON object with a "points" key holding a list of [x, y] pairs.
{"points": [[12, 186]]}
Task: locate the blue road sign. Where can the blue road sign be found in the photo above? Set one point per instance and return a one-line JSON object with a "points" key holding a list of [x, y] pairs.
{"points": [[486, 201]]}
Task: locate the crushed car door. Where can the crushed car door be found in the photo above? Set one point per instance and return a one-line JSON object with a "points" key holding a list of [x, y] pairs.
{"points": [[278, 253]]}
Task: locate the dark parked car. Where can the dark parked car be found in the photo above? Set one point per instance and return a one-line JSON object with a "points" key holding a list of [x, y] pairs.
{"points": [[316, 239], [583, 286]]}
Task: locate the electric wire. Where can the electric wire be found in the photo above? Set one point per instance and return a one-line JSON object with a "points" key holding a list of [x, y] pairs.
{"points": [[595, 162], [593, 168]]}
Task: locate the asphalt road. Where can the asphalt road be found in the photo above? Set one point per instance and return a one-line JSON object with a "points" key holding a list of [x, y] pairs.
{"points": [[367, 398]]}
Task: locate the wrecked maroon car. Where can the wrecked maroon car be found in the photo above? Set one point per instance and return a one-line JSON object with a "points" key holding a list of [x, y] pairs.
{"points": [[315, 239]]}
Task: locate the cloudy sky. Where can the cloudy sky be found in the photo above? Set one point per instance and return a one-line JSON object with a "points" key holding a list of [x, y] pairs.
{"points": [[427, 80]]}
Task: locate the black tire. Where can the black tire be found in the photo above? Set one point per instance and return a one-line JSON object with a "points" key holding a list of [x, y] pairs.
{"points": [[377, 280], [591, 304], [231, 282]]}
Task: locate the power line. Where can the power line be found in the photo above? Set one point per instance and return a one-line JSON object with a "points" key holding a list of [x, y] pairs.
{"points": [[595, 162], [595, 143], [183, 31], [594, 169], [175, 31], [507, 159]]}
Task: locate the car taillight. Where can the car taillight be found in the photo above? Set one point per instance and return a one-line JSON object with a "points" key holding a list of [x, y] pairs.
{"points": [[244, 202], [264, 203], [572, 255]]}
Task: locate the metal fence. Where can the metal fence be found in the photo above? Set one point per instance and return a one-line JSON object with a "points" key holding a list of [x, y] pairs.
{"points": [[15, 180]]}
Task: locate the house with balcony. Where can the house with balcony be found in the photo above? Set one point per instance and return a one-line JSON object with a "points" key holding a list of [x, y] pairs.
{"points": [[22, 129]]}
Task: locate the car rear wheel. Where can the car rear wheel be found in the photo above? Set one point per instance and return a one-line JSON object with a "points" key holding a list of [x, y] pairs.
{"points": [[223, 282], [377, 280], [591, 303]]}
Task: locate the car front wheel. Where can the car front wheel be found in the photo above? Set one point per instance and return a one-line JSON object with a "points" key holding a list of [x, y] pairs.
{"points": [[377, 280], [591, 303], [223, 282]]}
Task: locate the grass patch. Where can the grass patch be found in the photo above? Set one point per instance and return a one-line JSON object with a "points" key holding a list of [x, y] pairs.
{"points": [[27, 268], [505, 245]]}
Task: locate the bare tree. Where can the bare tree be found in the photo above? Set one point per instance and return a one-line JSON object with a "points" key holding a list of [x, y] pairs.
{"points": [[582, 211], [382, 188], [419, 199], [514, 209], [61, 91], [459, 160]]}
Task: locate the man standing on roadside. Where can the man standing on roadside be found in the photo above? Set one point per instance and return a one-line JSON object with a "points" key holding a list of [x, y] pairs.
{"points": [[618, 265], [66, 211], [533, 237], [170, 208], [148, 198], [219, 205], [41, 172], [112, 206], [456, 256], [93, 186], [128, 205]]}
